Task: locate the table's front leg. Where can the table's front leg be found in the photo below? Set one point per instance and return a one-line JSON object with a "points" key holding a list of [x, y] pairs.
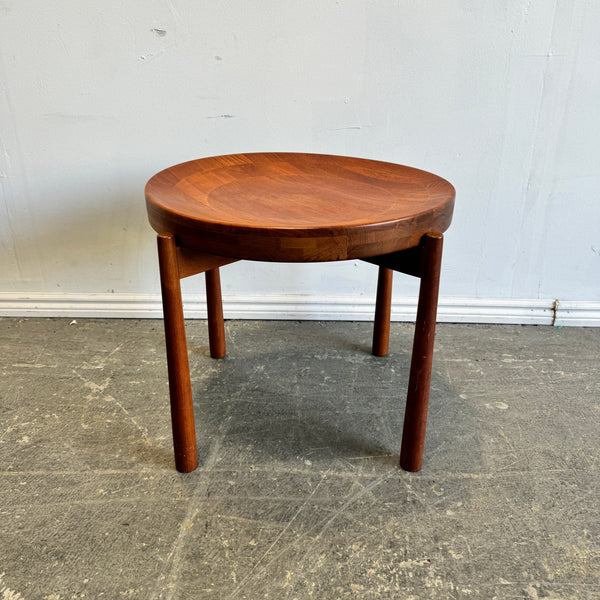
{"points": [[423, 261], [176, 263], [180, 389], [417, 399]]}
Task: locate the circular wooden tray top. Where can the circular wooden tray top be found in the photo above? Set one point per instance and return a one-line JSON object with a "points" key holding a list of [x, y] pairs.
{"points": [[289, 207]]}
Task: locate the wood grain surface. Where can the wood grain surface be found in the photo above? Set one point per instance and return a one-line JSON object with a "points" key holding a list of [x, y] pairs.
{"points": [[292, 207]]}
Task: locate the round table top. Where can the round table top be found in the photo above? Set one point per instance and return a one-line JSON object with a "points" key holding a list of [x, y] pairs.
{"points": [[294, 207]]}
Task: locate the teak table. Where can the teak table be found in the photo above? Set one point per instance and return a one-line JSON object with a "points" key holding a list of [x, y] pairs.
{"points": [[286, 207]]}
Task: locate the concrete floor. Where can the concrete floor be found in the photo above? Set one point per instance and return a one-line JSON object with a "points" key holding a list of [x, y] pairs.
{"points": [[298, 494]]}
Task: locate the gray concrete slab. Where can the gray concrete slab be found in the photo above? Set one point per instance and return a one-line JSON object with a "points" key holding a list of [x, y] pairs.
{"points": [[298, 494]]}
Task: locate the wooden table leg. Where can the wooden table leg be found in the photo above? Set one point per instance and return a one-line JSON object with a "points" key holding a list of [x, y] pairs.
{"points": [[383, 306], [415, 419], [182, 409], [214, 306]]}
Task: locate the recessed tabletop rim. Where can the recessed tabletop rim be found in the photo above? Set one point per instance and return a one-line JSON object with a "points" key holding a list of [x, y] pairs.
{"points": [[338, 207], [154, 197]]}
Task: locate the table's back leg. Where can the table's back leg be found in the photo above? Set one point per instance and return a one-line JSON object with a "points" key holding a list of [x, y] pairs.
{"points": [[417, 401], [182, 409], [383, 305], [214, 306]]}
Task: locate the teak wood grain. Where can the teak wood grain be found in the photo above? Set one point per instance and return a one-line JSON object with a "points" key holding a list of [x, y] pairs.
{"points": [[182, 408], [291, 207], [298, 208]]}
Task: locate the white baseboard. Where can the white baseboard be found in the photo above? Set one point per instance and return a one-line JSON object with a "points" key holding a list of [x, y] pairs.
{"points": [[576, 313], [337, 308]]}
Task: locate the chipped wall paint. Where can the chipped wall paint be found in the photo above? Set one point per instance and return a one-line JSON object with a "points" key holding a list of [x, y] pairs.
{"points": [[498, 97]]}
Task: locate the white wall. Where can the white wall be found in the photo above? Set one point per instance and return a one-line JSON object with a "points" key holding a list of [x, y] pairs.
{"points": [[500, 97]]}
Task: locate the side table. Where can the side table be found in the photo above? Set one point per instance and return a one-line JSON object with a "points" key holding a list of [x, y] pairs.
{"points": [[292, 207]]}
